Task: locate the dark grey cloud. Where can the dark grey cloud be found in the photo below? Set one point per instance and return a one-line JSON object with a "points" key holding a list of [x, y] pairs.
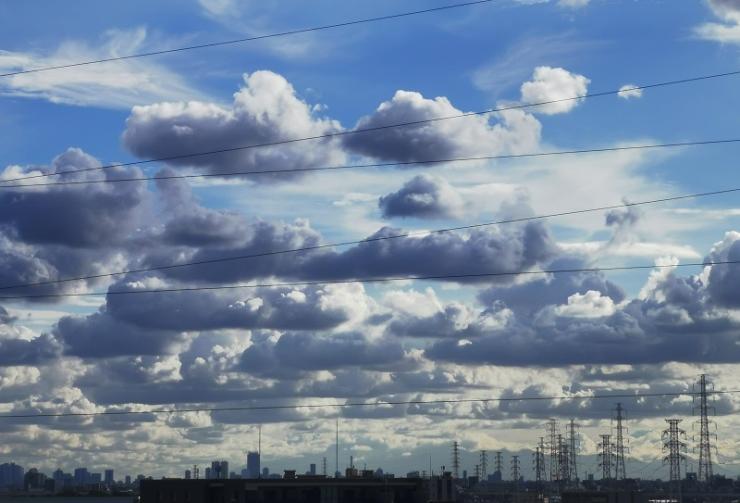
{"points": [[724, 280], [423, 196], [28, 352], [641, 333], [293, 354], [455, 320], [280, 309], [466, 136], [528, 298], [101, 336], [503, 249], [50, 232], [92, 216], [265, 110]]}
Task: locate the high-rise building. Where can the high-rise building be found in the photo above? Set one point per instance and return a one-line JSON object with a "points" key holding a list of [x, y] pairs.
{"points": [[96, 478], [265, 472], [11, 476], [253, 465], [128, 480], [82, 477], [219, 470], [312, 470], [188, 475], [209, 475], [109, 481]]}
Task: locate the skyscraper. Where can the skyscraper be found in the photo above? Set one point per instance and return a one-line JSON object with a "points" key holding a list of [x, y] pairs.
{"points": [[82, 477], [109, 478], [11, 476], [253, 465], [220, 470]]}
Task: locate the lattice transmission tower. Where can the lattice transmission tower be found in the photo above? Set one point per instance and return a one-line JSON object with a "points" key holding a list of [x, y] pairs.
{"points": [[540, 474], [674, 447], [620, 468], [483, 465], [606, 456], [456, 459], [551, 429], [574, 445], [500, 465], [515, 469], [705, 437]]}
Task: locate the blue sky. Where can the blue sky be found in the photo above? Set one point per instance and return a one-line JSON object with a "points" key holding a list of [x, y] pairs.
{"points": [[595, 333]]}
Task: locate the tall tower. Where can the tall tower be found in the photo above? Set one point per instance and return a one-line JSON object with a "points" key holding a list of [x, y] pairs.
{"points": [[323, 467], [455, 459], [620, 470], [552, 443], [500, 465], [563, 459], [483, 465], [675, 447], [573, 446], [539, 463], [605, 456], [336, 451], [515, 469], [705, 446]]}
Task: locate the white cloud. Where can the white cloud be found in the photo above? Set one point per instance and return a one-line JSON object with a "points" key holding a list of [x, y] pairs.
{"points": [[726, 32], [573, 4], [628, 91], [551, 84], [588, 305], [119, 84]]}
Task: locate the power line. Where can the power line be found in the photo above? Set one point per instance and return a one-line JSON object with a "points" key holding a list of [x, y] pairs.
{"points": [[248, 39], [692, 143], [381, 128], [372, 239], [388, 279], [360, 404]]}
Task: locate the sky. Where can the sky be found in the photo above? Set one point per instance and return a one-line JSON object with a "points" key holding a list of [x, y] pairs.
{"points": [[338, 339]]}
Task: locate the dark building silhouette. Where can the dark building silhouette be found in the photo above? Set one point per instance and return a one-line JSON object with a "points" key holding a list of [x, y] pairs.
{"points": [[299, 489]]}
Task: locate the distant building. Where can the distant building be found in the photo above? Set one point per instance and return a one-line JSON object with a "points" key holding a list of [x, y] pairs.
{"points": [[208, 473], [96, 478], [292, 490], [34, 481], [220, 470], [265, 472], [109, 480], [312, 469], [128, 480], [81, 477], [188, 475], [11, 476], [253, 465]]}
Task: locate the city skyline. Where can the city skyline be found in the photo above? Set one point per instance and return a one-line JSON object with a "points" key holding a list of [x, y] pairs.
{"points": [[472, 219]]}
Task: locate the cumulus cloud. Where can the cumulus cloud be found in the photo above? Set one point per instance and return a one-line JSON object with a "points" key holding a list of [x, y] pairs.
{"points": [[675, 319], [552, 84], [727, 31], [265, 110], [48, 232], [292, 354], [629, 91], [573, 4], [423, 196], [123, 84], [472, 135]]}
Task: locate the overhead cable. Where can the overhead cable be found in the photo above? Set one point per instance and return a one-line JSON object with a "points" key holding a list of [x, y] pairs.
{"points": [[337, 134], [366, 404], [246, 39], [387, 279], [166, 177], [374, 239]]}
